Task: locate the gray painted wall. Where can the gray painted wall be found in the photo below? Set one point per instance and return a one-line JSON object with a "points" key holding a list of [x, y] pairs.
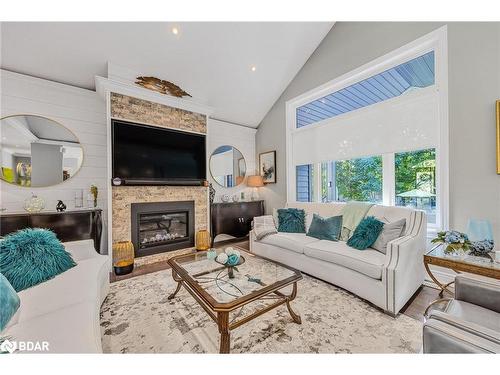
{"points": [[474, 85]]}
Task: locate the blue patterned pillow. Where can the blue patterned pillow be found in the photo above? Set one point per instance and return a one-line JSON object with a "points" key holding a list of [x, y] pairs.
{"points": [[9, 302], [325, 228], [291, 220], [366, 233], [31, 256]]}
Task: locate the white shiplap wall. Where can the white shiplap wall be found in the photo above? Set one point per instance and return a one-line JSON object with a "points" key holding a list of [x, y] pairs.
{"points": [[221, 133], [81, 111]]}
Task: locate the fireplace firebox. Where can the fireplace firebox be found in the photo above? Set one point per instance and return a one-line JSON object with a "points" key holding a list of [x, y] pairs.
{"points": [[162, 226]]}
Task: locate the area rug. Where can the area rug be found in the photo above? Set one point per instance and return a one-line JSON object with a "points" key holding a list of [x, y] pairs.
{"points": [[137, 317]]}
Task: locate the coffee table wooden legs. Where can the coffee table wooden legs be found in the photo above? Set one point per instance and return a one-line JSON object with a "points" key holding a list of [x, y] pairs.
{"points": [[179, 284], [223, 323], [296, 318]]}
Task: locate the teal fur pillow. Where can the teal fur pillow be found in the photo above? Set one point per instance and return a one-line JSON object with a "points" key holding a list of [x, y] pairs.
{"points": [[325, 228], [31, 256], [366, 233], [9, 302], [291, 220]]}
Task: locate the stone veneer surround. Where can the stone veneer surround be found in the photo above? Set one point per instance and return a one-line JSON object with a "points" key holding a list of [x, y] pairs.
{"points": [[146, 112], [138, 110]]}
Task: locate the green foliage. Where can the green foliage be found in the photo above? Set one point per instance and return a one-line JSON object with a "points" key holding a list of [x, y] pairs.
{"points": [[415, 170], [359, 179]]}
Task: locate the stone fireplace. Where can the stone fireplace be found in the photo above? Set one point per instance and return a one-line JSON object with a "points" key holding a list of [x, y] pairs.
{"points": [[162, 226], [126, 198]]}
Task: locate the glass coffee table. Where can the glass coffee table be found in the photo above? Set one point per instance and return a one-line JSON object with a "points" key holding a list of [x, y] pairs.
{"points": [[459, 262], [223, 298]]}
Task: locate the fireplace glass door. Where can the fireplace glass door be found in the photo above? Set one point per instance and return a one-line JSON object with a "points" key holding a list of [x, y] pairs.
{"points": [[157, 229]]}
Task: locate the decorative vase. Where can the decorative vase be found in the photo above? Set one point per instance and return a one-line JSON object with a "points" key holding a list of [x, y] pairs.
{"points": [[60, 207], [123, 257], [202, 240], [480, 234], [34, 204], [479, 230], [94, 191]]}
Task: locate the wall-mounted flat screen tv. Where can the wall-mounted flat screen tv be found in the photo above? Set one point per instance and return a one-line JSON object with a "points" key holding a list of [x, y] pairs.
{"points": [[150, 155]]}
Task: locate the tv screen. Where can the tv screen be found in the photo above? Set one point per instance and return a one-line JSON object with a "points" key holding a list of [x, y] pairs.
{"points": [[147, 153]]}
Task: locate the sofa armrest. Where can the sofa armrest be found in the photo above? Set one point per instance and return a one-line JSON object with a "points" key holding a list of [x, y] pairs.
{"points": [[81, 250], [441, 337], [404, 267], [469, 327], [480, 292]]}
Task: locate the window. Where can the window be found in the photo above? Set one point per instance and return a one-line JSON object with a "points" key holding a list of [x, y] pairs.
{"points": [[377, 134], [415, 177], [305, 183], [396, 81], [355, 179]]}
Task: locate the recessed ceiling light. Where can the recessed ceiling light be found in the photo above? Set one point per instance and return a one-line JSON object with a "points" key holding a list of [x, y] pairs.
{"points": [[254, 68], [175, 30]]}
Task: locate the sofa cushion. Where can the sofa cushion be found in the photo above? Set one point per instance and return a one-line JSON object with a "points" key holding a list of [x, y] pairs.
{"points": [[74, 329], [390, 232], [31, 256], [368, 262], [78, 284], [291, 220], [289, 241], [366, 233], [9, 302], [325, 228]]}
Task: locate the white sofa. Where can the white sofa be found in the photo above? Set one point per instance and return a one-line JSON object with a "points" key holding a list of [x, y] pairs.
{"points": [[386, 280], [64, 311]]}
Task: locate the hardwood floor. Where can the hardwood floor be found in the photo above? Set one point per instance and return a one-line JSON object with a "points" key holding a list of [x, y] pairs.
{"points": [[415, 308]]}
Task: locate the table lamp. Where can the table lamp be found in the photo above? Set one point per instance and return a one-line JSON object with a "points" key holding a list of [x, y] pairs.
{"points": [[255, 182]]}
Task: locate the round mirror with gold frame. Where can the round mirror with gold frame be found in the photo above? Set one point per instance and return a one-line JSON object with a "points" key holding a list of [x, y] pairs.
{"points": [[37, 151], [227, 166]]}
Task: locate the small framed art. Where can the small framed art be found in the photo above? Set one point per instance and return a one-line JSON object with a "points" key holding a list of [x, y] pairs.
{"points": [[267, 166]]}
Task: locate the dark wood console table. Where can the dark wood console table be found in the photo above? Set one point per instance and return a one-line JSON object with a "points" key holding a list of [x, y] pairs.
{"points": [[234, 218], [68, 226]]}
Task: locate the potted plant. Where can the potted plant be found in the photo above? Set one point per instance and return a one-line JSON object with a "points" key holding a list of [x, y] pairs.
{"points": [[453, 241]]}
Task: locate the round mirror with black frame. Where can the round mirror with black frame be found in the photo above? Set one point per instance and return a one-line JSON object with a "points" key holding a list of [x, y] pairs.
{"points": [[37, 151], [227, 166]]}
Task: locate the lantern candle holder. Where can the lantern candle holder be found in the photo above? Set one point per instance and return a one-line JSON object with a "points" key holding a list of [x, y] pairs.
{"points": [[123, 257], [202, 240]]}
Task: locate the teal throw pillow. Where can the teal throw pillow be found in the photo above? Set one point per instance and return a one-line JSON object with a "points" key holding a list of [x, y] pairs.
{"points": [[291, 220], [31, 256], [366, 233], [9, 302], [325, 228]]}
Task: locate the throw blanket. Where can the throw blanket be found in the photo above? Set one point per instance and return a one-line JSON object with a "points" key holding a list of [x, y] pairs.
{"points": [[352, 214], [264, 226]]}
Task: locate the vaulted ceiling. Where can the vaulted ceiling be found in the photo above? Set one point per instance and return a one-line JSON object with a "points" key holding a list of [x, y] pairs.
{"points": [[240, 69]]}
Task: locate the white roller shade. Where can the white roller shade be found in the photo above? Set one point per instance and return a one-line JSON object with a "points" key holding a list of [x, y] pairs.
{"points": [[409, 122]]}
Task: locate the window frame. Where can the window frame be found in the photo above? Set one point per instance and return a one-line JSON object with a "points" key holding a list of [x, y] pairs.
{"points": [[437, 41]]}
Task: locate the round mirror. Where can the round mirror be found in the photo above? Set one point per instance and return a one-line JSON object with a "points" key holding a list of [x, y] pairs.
{"points": [[37, 151], [227, 166]]}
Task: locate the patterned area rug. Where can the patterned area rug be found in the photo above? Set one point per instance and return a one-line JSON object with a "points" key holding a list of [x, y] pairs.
{"points": [[137, 317]]}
